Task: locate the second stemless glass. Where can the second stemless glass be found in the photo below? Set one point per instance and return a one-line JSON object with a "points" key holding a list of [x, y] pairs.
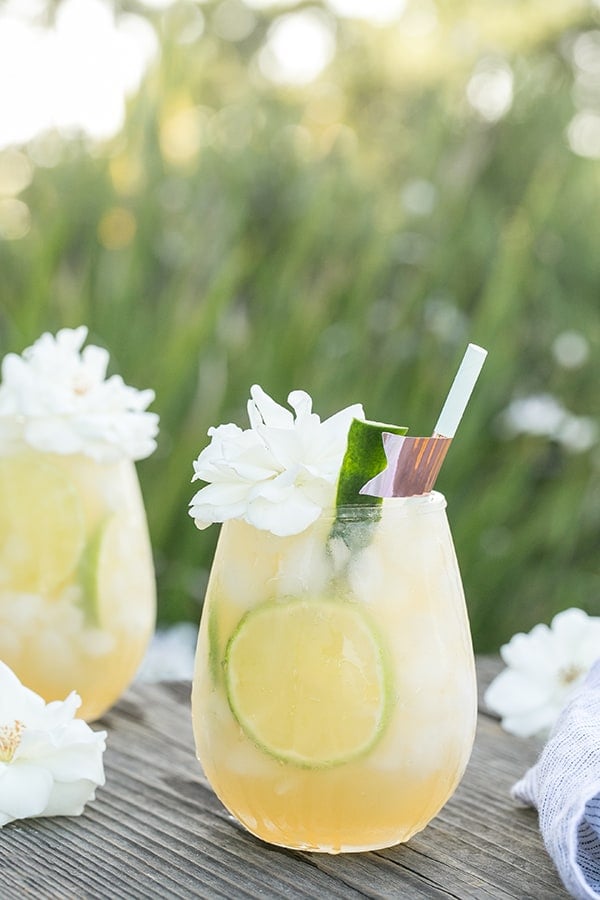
{"points": [[77, 587], [334, 697]]}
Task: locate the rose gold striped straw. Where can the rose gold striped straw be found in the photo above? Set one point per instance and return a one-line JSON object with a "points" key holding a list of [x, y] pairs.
{"points": [[414, 462]]}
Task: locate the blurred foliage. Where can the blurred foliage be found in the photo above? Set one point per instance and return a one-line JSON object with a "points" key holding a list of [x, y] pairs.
{"points": [[348, 237]]}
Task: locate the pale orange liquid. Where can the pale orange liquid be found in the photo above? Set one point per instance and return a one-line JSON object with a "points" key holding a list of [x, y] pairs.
{"points": [[409, 580], [90, 631]]}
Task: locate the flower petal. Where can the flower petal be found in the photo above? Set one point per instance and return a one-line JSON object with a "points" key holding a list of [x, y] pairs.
{"points": [[230, 448], [16, 701], [571, 628], [300, 512], [79, 761], [301, 403], [221, 494], [532, 724], [288, 465], [50, 750], [263, 410], [69, 799], [68, 404], [545, 667], [284, 446], [531, 654], [24, 790], [511, 692]]}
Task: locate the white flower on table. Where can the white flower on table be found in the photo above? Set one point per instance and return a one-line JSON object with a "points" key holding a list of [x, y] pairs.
{"points": [[544, 667], [50, 762], [279, 474], [57, 398]]}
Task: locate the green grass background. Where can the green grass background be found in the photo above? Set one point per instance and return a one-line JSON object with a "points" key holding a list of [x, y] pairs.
{"points": [[239, 231]]}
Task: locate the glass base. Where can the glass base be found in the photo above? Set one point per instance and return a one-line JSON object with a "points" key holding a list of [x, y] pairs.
{"points": [[330, 849]]}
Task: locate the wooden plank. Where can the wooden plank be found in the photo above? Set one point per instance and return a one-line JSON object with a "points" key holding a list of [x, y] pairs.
{"points": [[157, 830]]}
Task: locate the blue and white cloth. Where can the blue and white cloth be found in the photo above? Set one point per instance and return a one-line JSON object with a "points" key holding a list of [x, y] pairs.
{"points": [[564, 786]]}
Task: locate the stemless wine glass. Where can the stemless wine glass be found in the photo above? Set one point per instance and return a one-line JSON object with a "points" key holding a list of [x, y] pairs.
{"points": [[334, 696], [77, 588]]}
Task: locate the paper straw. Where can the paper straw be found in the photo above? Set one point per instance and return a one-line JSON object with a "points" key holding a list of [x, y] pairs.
{"points": [[460, 392]]}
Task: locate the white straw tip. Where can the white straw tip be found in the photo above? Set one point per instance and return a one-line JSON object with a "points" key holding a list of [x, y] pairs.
{"points": [[461, 390], [474, 351]]}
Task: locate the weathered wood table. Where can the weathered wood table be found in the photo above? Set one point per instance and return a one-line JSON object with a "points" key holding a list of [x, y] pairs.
{"points": [[157, 830]]}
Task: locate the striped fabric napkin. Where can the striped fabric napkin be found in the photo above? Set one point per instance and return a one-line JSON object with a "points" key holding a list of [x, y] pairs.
{"points": [[564, 786]]}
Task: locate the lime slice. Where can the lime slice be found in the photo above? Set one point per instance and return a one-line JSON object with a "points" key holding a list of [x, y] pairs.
{"points": [[307, 682], [42, 531], [214, 657], [364, 458], [88, 573], [117, 573]]}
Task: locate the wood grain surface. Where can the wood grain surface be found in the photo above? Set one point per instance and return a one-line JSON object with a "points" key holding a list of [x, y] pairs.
{"points": [[157, 830]]}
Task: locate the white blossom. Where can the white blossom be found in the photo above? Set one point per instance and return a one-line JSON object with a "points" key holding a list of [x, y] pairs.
{"points": [[57, 398], [544, 667], [279, 474], [50, 762]]}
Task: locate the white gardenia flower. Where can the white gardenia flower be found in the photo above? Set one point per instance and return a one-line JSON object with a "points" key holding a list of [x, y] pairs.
{"points": [[50, 762], [56, 398], [544, 667], [279, 474]]}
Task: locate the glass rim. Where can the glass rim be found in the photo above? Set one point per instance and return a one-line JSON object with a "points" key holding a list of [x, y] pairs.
{"points": [[419, 504]]}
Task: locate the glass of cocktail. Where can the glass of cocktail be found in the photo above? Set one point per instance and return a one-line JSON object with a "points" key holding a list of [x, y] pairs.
{"points": [[334, 696], [77, 587]]}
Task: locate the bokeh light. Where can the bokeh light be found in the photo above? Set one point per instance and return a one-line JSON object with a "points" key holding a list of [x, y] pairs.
{"points": [[583, 134], [15, 219], [490, 89], [298, 47], [16, 172], [379, 11], [74, 76]]}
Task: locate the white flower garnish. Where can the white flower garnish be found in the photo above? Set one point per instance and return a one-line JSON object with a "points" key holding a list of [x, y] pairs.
{"points": [[50, 762], [279, 474], [56, 398], [545, 666]]}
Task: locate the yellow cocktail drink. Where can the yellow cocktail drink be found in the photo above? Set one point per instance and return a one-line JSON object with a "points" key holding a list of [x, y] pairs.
{"points": [[77, 591], [334, 698]]}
